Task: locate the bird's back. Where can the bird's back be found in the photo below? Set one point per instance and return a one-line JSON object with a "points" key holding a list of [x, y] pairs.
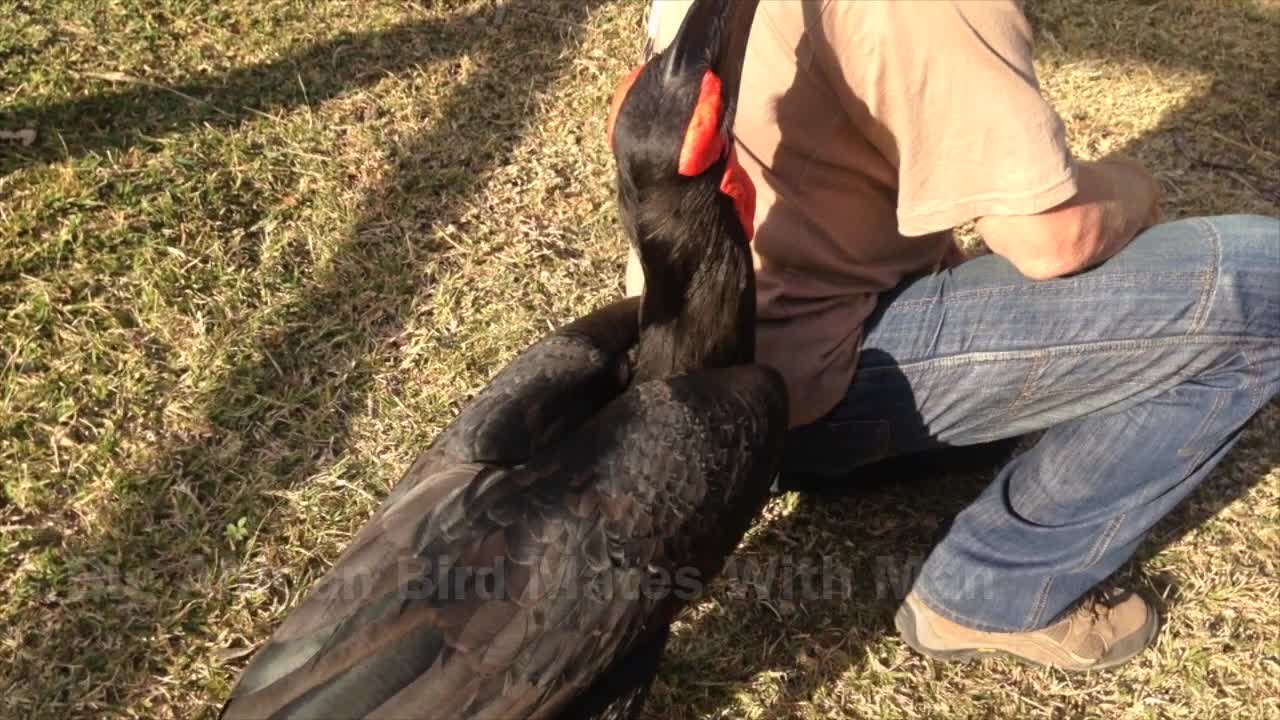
{"points": [[502, 592], [501, 589]]}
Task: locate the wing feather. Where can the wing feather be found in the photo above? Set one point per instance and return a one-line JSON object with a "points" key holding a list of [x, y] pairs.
{"points": [[667, 476]]}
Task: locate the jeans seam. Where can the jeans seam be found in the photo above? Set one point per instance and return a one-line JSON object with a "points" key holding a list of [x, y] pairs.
{"points": [[1095, 554], [1100, 547], [1209, 288], [1254, 382], [1041, 391], [1033, 374], [1104, 542], [1042, 599], [1205, 422], [1113, 527], [1101, 347], [1045, 287], [1143, 380], [1250, 388]]}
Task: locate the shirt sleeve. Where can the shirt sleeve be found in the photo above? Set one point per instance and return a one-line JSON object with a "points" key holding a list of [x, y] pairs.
{"points": [[949, 92]]}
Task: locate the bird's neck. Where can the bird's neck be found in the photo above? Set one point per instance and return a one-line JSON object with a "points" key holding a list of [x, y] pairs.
{"points": [[698, 309]]}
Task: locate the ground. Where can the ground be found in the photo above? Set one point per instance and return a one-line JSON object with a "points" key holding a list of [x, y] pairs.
{"points": [[259, 252]]}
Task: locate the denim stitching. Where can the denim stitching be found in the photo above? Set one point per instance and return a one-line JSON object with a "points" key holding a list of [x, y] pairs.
{"points": [[1143, 380], [1104, 543], [1033, 373], [1044, 288], [1137, 380], [1209, 289], [1205, 422], [1104, 347], [1042, 599], [1255, 383], [1095, 554]]}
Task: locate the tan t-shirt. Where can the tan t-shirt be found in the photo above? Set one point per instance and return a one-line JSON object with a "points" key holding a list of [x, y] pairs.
{"points": [[872, 128]]}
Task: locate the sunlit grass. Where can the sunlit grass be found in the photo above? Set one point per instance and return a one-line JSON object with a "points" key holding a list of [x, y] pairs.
{"points": [[260, 252]]}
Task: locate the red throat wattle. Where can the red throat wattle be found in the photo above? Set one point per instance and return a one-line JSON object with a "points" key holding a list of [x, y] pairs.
{"points": [[738, 186], [703, 145]]}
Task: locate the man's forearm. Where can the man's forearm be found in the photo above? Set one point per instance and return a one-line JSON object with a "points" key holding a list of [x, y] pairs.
{"points": [[1116, 198]]}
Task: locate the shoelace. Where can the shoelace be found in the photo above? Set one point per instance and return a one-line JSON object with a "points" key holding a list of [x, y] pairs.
{"points": [[1095, 607]]}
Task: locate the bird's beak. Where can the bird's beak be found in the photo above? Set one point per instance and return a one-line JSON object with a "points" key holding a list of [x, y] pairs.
{"points": [[713, 37], [712, 44]]}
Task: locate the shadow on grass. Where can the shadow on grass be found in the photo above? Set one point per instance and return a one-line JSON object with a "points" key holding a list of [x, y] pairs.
{"points": [[282, 413], [327, 332], [139, 114], [1219, 153]]}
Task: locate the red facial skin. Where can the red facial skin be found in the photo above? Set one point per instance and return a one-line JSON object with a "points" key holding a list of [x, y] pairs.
{"points": [[618, 96], [703, 146]]}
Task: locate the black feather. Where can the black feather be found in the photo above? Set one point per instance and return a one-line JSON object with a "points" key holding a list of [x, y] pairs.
{"points": [[523, 566]]}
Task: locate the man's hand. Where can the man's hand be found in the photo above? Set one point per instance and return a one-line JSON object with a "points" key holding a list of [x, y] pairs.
{"points": [[1147, 182], [1116, 199]]}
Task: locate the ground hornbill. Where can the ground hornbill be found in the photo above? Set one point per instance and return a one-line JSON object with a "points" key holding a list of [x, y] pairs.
{"points": [[530, 562]]}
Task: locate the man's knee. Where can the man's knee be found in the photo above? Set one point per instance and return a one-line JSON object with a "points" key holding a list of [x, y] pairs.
{"points": [[1245, 296]]}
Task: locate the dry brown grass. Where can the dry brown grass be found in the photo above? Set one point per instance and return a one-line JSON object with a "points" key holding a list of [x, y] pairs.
{"points": [[260, 252]]}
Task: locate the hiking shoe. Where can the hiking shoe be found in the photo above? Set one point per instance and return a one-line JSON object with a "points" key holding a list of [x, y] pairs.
{"points": [[1105, 629]]}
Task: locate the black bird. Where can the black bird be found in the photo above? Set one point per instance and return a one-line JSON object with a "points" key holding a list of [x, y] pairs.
{"points": [[530, 562]]}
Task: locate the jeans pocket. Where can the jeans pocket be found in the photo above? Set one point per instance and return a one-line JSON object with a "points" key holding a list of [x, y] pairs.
{"points": [[835, 447]]}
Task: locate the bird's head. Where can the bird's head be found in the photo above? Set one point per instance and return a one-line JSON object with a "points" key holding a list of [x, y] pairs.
{"points": [[684, 200], [669, 127]]}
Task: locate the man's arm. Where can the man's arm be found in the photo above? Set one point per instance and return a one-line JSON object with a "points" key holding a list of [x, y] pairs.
{"points": [[1115, 200]]}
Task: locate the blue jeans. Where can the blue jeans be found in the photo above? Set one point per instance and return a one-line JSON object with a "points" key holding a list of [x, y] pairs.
{"points": [[1141, 372]]}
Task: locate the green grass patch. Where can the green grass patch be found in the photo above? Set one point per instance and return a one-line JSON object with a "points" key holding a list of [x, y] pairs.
{"points": [[259, 253]]}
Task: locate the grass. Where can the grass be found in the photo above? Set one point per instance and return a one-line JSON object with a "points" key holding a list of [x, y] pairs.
{"points": [[260, 252]]}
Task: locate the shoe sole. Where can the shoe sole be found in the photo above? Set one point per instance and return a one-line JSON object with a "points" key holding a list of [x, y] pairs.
{"points": [[905, 621]]}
